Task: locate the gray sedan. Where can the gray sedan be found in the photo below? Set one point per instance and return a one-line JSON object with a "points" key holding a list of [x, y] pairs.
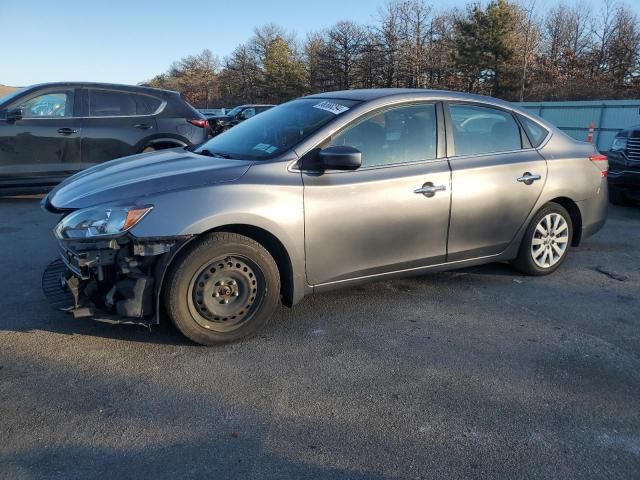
{"points": [[325, 191]]}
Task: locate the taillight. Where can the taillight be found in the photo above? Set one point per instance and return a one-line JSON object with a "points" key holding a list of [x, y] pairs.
{"points": [[602, 162], [199, 123]]}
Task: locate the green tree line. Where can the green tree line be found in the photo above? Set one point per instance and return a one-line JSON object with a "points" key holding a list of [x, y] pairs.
{"points": [[503, 48]]}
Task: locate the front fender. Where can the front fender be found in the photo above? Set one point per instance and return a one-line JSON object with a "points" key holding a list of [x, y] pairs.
{"points": [[268, 197]]}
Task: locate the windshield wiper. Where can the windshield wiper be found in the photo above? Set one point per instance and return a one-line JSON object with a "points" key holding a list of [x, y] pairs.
{"points": [[209, 153]]}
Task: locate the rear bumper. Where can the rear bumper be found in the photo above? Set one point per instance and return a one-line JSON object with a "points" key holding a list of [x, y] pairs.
{"points": [[594, 211]]}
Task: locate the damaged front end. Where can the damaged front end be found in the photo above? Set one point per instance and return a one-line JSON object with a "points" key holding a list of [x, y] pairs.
{"points": [[112, 277]]}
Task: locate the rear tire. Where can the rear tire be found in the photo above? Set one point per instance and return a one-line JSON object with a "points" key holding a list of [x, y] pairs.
{"points": [[617, 196], [223, 288], [546, 241]]}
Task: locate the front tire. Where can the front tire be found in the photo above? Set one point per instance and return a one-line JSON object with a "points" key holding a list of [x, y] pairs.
{"points": [[546, 241], [223, 288]]}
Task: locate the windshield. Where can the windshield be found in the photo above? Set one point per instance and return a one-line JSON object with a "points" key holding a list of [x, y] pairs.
{"points": [[9, 96], [234, 112], [277, 130]]}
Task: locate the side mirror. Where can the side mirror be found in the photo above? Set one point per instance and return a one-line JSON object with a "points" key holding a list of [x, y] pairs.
{"points": [[13, 114], [340, 158]]}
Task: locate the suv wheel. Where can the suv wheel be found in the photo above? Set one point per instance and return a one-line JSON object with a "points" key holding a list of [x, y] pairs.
{"points": [[546, 242], [617, 196], [223, 288]]}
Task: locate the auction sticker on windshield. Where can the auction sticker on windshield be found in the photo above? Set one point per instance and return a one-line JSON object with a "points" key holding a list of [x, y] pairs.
{"points": [[334, 108]]}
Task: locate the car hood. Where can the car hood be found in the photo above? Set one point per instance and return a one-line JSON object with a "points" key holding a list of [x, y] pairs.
{"points": [[130, 178]]}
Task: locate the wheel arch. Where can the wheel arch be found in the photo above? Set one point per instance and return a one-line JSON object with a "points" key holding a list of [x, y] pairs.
{"points": [[265, 238], [163, 142], [576, 217]]}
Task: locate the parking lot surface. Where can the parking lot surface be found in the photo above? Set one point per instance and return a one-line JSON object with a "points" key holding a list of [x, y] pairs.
{"points": [[479, 373]]}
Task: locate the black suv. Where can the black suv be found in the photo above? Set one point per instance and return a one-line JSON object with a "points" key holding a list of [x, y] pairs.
{"points": [[624, 166], [50, 131], [220, 123]]}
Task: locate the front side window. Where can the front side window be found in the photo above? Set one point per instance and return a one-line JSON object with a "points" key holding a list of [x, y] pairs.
{"points": [[111, 103], [479, 130], [397, 135], [49, 105], [247, 113]]}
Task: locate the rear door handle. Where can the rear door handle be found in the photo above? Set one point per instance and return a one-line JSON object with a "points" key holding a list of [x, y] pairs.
{"points": [[142, 126], [429, 189], [67, 131], [528, 178]]}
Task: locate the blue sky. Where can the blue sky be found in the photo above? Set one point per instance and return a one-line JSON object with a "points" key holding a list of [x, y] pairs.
{"points": [[131, 41]]}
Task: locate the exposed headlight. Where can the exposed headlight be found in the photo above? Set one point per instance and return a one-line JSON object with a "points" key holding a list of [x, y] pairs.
{"points": [[619, 144], [100, 222]]}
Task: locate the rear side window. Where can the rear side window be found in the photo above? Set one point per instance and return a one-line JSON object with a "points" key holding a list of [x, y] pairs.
{"points": [[478, 130], [536, 132], [110, 103]]}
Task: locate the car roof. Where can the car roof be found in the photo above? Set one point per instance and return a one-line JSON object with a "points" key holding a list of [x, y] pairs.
{"points": [[366, 95], [118, 86]]}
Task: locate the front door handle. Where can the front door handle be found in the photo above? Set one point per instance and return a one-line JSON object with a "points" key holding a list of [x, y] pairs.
{"points": [[67, 131], [429, 189], [528, 178], [142, 126]]}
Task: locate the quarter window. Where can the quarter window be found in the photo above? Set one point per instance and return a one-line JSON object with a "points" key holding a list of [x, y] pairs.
{"points": [[398, 135], [49, 105], [479, 130], [536, 132], [110, 103]]}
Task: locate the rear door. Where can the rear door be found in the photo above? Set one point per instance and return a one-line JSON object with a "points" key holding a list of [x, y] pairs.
{"points": [[43, 147], [117, 123], [496, 179]]}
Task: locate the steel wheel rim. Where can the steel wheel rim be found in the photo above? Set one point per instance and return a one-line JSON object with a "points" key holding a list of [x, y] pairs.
{"points": [[225, 293], [550, 240]]}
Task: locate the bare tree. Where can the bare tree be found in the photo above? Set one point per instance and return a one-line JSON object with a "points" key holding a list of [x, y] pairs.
{"points": [[507, 48], [624, 49], [529, 29]]}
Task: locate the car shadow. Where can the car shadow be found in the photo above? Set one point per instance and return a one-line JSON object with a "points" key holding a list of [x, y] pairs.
{"points": [[61, 323], [165, 333]]}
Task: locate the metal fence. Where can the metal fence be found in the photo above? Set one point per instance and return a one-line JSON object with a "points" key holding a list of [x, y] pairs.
{"points": [[608, 117]]}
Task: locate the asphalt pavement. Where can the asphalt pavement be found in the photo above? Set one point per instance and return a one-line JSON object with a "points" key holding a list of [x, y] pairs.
{"points": [[479, 373]]}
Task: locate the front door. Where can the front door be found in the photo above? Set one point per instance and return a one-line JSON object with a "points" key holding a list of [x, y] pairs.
{"points": [[496, 180], [42, 147], [391, 214]]}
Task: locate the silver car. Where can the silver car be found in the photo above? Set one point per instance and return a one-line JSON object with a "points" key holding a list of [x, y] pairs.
{"points": [[325, 191]]}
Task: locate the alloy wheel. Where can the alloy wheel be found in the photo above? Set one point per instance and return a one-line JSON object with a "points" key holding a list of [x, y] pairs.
{"points": [[550, 240]]}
